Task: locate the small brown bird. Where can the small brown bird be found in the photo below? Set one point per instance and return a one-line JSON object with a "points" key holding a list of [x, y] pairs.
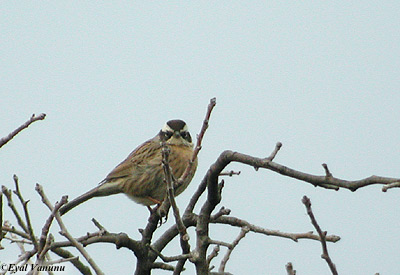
{"points": [[141, 176]]}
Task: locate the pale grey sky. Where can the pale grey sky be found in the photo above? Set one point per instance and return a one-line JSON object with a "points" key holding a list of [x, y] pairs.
{"points": [[322, 78]]}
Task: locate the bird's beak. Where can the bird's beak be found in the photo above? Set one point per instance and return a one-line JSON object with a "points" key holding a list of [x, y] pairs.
{"points": [[177, 134]]}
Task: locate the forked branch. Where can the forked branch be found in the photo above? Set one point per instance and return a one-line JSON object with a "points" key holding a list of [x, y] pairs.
{"points": [[324, 181]]}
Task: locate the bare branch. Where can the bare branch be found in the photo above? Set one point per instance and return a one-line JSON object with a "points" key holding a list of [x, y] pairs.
{"points": [[322, 181], [230, 173], [83, 239], [203, 221], [184, 240], [222, 212], [200, 136], [45, 230], [168, 259], [11, 204], [64, 230], [33, 118], [171, 195], [276, 150], [119, 239], [46, 247], [220, 243], [241, 235], [59, 261], [306, 201], [162, 266], [13, 240], [257, 229], [213, 254], [26, 212], [390, 185], [289, 269], [85, 270], [197, 148], [328, 174], [24, 256], [12, 229], [99, 226]]}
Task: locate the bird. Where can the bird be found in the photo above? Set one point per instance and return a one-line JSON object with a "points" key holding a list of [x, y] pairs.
{"points": [[141, 176]]}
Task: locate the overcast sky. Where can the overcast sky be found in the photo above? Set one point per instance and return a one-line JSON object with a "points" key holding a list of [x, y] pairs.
{"points": [[322, 78]]}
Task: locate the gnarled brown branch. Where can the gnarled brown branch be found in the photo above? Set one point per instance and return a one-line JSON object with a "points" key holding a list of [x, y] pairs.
{"points": [[227, 157]]}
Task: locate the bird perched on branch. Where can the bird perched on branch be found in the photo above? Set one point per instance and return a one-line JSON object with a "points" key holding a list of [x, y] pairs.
{"points": [[141, 176]]}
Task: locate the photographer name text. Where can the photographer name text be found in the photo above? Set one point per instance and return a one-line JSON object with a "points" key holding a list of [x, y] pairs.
{"points": [[13, 268]]}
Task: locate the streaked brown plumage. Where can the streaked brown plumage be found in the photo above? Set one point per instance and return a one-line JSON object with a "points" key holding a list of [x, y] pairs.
{"points": [[140, 176]]}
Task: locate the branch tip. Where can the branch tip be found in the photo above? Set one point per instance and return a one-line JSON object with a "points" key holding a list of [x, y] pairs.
{"points": [[275, 151], [322, 234], [10, 136], [328, 174]]}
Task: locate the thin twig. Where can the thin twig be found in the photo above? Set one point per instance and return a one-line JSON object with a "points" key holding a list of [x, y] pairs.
{"points": [[220, 243], [62, 260], [390, 185], [26, 212], [46, 247], [171, 195], [162, 266], [258, 229], [13, 240], [83, 269], [328, 174], [85, 239], [230, 173], [213, 254], [33, 118], [64, 230], [289, 269], [168, 259], [278, 146], [11, 204], [8, 228], [184, 240], [46, 227], [325, 255], [222, 212], [99, 226], [200, 136], [241, 235], [24, 256], [46, 241]]}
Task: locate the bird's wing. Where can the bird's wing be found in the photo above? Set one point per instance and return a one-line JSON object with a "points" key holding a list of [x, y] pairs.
{"points": [[139, 157]]}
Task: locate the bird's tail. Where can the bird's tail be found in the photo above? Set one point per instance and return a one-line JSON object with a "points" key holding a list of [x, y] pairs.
{"points": [[104, 189]]}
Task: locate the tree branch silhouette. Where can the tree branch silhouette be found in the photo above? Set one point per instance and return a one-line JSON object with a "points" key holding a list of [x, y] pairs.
{"points": [[148, 248]]}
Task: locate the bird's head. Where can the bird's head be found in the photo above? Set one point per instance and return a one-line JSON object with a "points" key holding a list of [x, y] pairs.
{"points": [[175, 132]]}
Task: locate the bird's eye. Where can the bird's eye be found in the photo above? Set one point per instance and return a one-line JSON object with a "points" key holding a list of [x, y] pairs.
{"points": [[186, 135], [165, 135], [168, 135]]}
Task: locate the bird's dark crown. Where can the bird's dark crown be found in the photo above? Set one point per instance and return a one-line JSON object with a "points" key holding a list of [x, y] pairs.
{"points": [[176, 124]]}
